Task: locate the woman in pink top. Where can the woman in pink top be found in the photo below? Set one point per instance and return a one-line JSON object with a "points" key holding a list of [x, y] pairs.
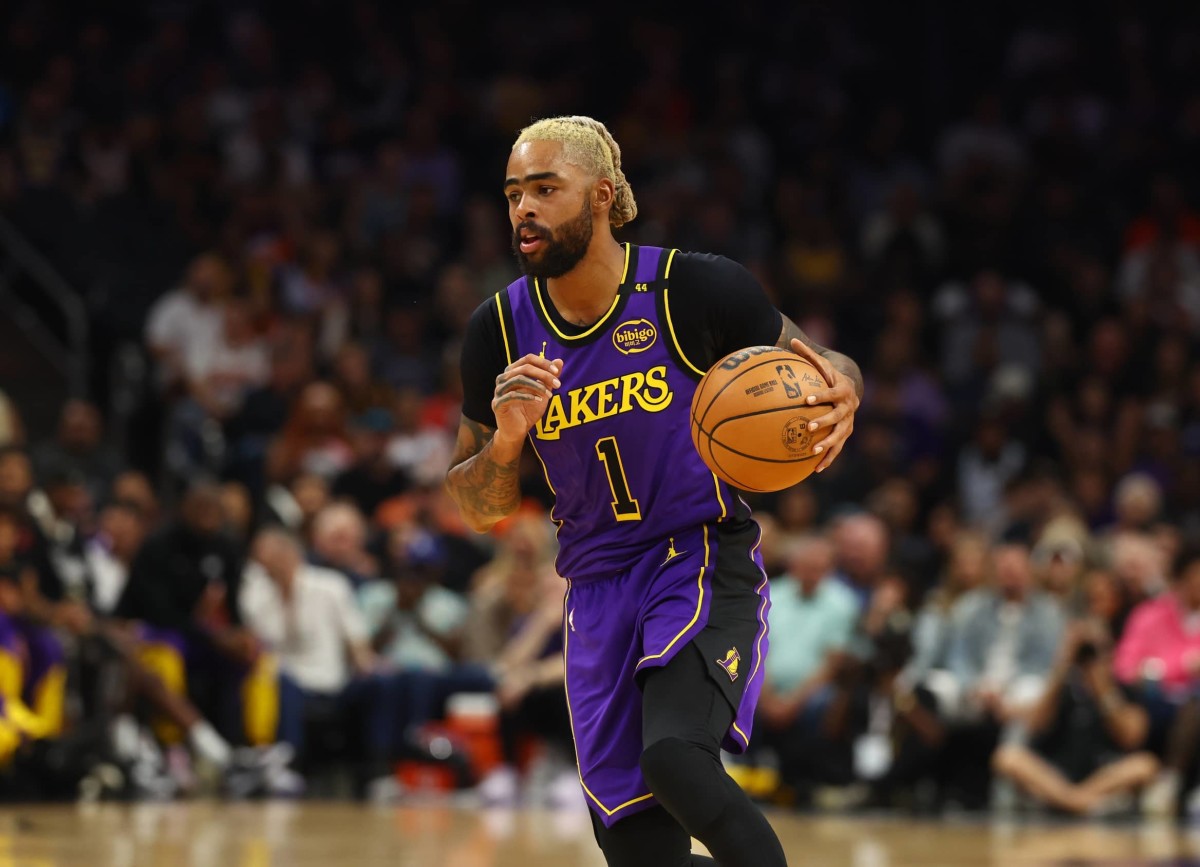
{"points": [[1161, 643], [1159, 654]]}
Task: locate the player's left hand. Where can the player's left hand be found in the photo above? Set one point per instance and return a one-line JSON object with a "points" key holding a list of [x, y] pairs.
{"points": [[840, 394]]}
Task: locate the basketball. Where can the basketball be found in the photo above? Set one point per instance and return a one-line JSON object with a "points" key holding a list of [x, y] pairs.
{"points": [[750, 420]]}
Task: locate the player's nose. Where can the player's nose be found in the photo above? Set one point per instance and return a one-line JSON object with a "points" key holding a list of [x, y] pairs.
{"points": [[524, 209]]}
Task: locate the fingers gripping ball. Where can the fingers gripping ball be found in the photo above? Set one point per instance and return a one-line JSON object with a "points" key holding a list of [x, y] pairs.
{"points": [[750, 418]]}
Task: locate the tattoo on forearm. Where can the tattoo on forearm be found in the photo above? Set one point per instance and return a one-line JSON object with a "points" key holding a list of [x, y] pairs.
{"points": [[477, 481], [843, 363]]}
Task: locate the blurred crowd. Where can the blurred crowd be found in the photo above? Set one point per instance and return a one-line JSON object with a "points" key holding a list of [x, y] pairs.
{"points": [[290, 214]]}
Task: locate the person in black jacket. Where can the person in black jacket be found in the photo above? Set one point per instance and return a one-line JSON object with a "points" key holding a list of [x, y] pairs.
{"points": [[182, 592]]}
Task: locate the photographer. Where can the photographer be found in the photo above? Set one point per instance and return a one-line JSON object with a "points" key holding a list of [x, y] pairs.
{"points": [[1084, 754], [886, 735]]}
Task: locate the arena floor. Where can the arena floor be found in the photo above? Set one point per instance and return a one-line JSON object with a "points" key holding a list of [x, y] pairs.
{"points": [[344, 835]]}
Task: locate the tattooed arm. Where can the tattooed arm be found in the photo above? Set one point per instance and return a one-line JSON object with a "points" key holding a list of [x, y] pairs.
{"points": [[484, 473], [844, 393], [844, 364], [483, 477]]}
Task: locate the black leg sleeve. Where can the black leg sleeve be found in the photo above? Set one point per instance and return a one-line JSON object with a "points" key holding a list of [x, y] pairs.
{"points": [[685, 717]]}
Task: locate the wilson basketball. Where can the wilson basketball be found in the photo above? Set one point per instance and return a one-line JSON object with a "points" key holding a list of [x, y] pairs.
{"points": [[750, 420]]}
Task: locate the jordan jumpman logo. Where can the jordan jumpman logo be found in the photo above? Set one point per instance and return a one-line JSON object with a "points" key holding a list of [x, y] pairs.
{"points": [[672, 553]]}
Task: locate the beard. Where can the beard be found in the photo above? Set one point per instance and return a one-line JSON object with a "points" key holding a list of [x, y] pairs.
{"points": [[561, 249]]}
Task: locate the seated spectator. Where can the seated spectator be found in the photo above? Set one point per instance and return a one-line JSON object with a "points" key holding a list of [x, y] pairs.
{"points": [[1004, 640], [33, 672], [421, 450], [111, 551], [1140, 566], [308, 618], [1159, 657], [880, 736], [1086, 751], [217, 376], [966, 571], [860, 542], [352, 377], [812, 621], [1060, 568], [264, 410], [297, 504], [514, 631], [415, 623], [79, 444], [188, 319], [372, 479], [339, 541], [314, 439], [182, 595]]}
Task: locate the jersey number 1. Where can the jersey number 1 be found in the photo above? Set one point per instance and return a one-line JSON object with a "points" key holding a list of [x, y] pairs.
{"points": [[625, 507]]}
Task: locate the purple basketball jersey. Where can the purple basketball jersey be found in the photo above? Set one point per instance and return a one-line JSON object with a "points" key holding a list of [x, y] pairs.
{"points": [[615, 439]]}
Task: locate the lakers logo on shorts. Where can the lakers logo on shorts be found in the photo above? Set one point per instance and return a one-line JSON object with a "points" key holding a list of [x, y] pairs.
{"points": [[730, 663]]}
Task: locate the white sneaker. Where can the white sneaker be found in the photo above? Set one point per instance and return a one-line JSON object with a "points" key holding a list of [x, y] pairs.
{"points": [[1193, 805], [283, 782], [564, 792], [1161, 796], [500, 788], [385, 790]]}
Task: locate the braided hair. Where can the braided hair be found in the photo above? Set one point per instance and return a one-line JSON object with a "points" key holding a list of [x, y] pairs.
{"points": [[588, 144]]}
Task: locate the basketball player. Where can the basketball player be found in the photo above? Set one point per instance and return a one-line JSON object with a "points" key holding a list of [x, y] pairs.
{"points": [[593, 357]]}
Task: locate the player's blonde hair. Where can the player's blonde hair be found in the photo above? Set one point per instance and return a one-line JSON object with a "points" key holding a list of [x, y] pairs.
{"points": [[587, 143]]}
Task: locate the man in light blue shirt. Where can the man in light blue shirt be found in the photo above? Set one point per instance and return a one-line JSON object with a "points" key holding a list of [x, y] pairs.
{"points": [[813, 617]]}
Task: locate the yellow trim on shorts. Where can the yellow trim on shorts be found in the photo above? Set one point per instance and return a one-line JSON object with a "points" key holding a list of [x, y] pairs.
{"points": [[762, 632], [603, 320], [695, 616], [571, 719]]}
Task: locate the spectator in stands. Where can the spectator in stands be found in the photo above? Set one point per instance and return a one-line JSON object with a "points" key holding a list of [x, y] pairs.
{"points": [[314, 439], [417, 448], [1159, 657], [308, 618], [352, 376], [186, 322], [1086, 755], [415, 623], [514, 630], [111, 551], [339, 541], [372, 479], [1140, 566], [264, 410], [813, 616], [968, 569], [882, 734], [1003, 642], [860, 543], [182, 593], [79, 443]]}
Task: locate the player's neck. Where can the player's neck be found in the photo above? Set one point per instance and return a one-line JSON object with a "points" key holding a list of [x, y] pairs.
{"points": [[586, 292]]}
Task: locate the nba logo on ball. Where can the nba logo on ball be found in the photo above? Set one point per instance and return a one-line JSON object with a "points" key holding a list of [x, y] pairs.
{"points": [[636, 335], [796, 438]]}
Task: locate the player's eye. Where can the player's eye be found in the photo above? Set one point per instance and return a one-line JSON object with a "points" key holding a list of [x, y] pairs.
{"points": [[545, 191], [514, 197]]}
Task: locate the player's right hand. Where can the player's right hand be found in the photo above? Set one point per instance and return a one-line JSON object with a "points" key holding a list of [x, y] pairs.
{"points": [[522, 393]]}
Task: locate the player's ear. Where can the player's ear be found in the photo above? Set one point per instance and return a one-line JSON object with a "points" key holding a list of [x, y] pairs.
{"points": [[603, 194]]}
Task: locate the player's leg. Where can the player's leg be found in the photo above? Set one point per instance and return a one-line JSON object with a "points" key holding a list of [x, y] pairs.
{"points": [[651, 838], [685, 717]]}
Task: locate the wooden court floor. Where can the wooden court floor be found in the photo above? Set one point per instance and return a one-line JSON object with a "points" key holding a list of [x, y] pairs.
{"points": [[308, 834]]}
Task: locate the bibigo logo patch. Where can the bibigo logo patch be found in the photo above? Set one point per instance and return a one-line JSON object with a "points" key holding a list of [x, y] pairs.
{"points": [[635, 335]]}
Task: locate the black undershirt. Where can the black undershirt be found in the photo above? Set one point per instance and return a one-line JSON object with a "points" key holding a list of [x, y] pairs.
{"points": [[717, 307]]}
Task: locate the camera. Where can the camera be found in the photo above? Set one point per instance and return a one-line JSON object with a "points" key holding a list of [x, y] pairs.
{"points": [[1086, 653]]}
